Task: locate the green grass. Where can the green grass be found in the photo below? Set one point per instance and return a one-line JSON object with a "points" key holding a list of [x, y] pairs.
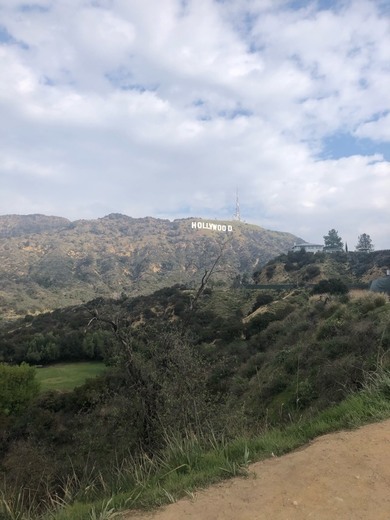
{"points": [[66, 376], [189, 464]]}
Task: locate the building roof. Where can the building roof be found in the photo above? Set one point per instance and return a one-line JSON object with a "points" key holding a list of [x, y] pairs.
{"points": [[306, 244]]}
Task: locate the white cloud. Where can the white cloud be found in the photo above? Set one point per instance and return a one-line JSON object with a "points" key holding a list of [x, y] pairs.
{"points": [[378, 130], [162, 108]]}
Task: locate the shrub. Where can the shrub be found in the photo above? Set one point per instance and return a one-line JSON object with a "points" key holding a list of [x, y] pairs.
{"points": [[262, 299], [334, 326], [258, 324], [331, 286], [269, 272], [290, 266], [18, 388], [369, 302], [311, 272]]}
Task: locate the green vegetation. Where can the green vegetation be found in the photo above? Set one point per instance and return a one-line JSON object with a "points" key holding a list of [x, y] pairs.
{"points": [[17, 388], [141, 400], [331, 286], [193, 462], [365, 243], [190, 394], [66, 376], [304, 269], [48, 262], [333, 241]]}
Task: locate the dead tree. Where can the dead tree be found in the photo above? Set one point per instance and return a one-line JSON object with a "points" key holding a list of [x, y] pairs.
{"points": [[207, 275], [145, 387]]}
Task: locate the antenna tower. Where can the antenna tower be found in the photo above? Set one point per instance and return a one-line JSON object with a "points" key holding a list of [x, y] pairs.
{"points": [[237, 214]]}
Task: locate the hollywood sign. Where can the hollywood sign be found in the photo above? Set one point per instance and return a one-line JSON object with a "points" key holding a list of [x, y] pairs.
{"points": [[211, 226]]}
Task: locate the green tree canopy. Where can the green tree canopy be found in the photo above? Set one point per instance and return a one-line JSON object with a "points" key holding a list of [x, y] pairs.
{"points": [[17, 388], [331, 286], [333, 240], [365, 243]]}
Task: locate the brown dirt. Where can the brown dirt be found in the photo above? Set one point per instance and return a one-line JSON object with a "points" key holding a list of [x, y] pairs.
{"points": [[339, 476]]}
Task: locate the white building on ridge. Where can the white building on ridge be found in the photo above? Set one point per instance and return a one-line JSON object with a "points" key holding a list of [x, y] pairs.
{"points": [[309, 248]]}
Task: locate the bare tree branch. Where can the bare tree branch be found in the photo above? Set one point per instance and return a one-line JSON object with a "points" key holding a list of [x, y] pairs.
{"points": [[207, 275]]}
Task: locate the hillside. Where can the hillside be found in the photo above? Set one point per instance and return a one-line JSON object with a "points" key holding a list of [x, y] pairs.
{"points": [[181, 383], [253, 341], [303, 268], [189, 389], [50, 262]]}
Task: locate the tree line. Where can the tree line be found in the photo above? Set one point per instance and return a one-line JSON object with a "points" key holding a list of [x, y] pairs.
{"points": [[333, 241]]}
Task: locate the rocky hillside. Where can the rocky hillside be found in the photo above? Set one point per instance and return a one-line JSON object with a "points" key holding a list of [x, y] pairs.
{"points": [[301, 268], [50, 262]]}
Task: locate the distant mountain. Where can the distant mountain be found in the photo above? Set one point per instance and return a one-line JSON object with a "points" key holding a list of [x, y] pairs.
{"points": [[50, 262], [19, 225]]}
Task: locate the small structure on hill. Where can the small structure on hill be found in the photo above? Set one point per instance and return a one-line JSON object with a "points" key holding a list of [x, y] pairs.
{"points": [[309, 248]]}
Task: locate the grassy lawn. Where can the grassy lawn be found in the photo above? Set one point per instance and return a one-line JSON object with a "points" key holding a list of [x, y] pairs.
{"points": [[66, 376]]}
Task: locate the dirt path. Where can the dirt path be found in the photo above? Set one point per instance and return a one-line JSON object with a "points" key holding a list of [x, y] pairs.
{"points": [[339, 476]]}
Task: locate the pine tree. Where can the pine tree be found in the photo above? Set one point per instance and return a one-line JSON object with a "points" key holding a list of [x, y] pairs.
{"points": [[333, 241], [364, 243]]}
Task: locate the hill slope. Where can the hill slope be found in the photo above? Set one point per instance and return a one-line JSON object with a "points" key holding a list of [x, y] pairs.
{"points": [[217, 368], [301, 268], [50, 262]]}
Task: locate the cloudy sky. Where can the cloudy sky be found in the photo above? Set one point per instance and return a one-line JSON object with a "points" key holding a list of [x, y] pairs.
{"points": [[166, 107]]}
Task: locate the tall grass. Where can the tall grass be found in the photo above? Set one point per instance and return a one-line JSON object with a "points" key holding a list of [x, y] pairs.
{"points": [[190, 462]]}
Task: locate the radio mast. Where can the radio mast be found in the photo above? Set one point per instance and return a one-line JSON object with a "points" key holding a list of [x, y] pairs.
{"points": [[237, 214]]}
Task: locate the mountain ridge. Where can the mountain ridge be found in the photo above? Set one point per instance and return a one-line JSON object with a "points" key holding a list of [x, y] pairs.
{"points": [[48, 262]]}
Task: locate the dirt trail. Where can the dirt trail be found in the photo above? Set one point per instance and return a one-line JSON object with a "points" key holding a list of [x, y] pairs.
{"points": [[341, 476]]}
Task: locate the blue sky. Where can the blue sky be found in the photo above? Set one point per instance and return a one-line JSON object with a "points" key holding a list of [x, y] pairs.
{"points": [[165, 108]]}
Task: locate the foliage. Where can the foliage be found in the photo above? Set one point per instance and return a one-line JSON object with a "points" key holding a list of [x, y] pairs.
{"points": [[364, 243], [54, 337], [270, 271], [311, 272], [216, 372], [331, 286], [302, 267], [262, 299], [192, 462], [333, 241], [52, 263], [18, 388]]}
